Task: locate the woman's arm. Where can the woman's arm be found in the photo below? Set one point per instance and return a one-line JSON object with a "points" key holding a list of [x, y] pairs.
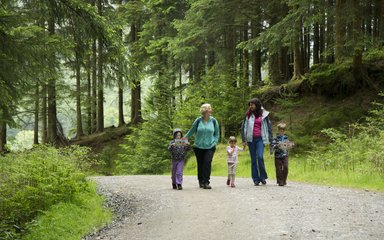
{"points": [[193, 128]]}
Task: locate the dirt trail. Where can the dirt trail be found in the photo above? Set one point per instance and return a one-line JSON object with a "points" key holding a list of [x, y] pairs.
{"points": [[151, 209]]}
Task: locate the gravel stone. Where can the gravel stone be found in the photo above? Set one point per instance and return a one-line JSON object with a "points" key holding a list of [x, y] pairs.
{"points": [[146, 207]]}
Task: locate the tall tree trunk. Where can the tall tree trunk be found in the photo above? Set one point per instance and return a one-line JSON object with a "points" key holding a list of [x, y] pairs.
{"points": [[330, 33], [3, 136], [121, 106], [284, 64], [136, 116], [120, 81], [94, 87], [79, 122], [297, 55], [100, 92], [245, 58], [340, 30], [316, 43], [52, 112], [44, 114], [211, 52], [89, 96], [322, 38], [36, 114], [256, 57], [229, 48], [274, 68], [381, 21]]}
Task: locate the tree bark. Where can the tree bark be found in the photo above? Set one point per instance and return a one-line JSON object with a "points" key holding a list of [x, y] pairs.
{"points": [[89, 96], [120, 83], [94, 88], [51, 88], [3, 136], [340, 30], [79, 122], [256, 58], [274, 68], [44, 114], [245, 58], [330, 33], [381, 21], [136, 116], [316, 43], [121, 106], [100, 92], [36, 114]]}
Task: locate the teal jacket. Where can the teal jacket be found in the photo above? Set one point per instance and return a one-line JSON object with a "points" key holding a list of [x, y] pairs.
{"points": [[206, 134]]}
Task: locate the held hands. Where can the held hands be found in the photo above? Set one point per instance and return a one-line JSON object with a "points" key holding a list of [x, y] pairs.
{"points": [[244, 145]]}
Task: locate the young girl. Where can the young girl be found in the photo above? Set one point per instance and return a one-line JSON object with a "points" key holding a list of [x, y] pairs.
{"points": [[178, 147], [232, 160]]}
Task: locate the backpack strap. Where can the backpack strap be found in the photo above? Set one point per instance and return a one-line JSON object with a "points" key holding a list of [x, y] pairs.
{"points": [[200, 119]]}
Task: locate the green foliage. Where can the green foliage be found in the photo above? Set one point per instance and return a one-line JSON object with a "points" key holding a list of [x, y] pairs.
{"points": [[219, 88], [376, 116], [333, 80], [146, 151], [70, 220], [35, 180], [360, 153]]}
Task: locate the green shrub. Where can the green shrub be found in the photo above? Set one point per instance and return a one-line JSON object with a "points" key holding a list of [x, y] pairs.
{"points": [[34, 180]]}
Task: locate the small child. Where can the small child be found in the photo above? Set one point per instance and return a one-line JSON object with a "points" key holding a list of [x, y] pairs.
{"points": [[178, 147], [232, 151], [280, 145]]}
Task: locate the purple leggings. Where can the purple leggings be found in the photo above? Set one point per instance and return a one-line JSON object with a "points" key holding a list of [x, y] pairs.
{"points": [[177, 171]]}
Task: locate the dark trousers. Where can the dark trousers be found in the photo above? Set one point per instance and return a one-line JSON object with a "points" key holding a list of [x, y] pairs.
{"points": [[281, 165], [204, 162]]}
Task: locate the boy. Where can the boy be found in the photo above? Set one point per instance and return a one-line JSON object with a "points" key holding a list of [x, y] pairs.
{"points": [[280, 145]]}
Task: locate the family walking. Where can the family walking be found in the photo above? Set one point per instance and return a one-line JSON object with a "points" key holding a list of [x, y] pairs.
{"points": [[256, 132]]}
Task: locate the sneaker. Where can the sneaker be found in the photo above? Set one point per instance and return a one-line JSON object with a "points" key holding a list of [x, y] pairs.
{"points": [[174, 186], [207, 186], [201, 185], [179, 187], [228, 181], [233, 185], [257, 183]]}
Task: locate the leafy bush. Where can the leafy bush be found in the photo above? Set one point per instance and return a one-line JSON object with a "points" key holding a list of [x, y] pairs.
{"points": [[34, 180], [360, 150]]}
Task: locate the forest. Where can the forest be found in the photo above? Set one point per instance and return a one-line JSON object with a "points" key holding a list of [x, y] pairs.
{"points": [[317, 64]]}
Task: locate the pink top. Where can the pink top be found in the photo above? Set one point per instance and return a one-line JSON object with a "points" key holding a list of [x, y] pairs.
{"points": [[257, 127], [232, 158]]}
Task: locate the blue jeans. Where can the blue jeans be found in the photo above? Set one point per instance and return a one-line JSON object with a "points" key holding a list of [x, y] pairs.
{"points": [[256, 150]]}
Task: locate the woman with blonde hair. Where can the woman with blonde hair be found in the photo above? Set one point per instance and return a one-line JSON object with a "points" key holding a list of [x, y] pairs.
{"points": [[206, 131]]}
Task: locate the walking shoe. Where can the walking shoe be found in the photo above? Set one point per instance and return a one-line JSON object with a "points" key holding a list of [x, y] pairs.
{"points": [[174, 186], [233, 185], [201, 185], [228, 181], [179, 187], [257, 183], [207, 186], [263, 182]]}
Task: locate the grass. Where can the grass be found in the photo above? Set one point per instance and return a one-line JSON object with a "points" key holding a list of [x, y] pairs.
{"points": [[298, 171], [70, 220]]}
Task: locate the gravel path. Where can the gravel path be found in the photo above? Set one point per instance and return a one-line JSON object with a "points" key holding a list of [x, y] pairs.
{"points": [[147, 207]]}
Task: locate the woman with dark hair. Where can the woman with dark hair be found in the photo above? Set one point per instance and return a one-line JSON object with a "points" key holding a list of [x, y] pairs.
{"points": [[256, 131]]}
